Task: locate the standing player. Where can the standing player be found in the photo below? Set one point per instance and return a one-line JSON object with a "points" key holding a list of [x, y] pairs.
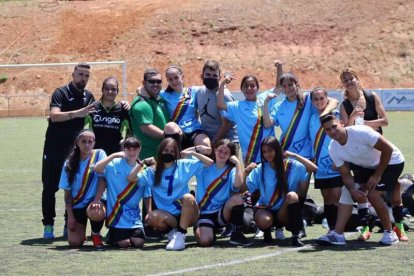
{"points": [[247, 115], [180, 102], [69, 105], [110, 118], [149, 114], [327, 179], [377, 166], [216, 126]]}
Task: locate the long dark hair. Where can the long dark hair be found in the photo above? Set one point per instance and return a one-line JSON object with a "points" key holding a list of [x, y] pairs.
{"points": [[104, 83], [180, 71], [72, 165], [159, 168], [281, 176], [249, 77], [227, 143], [294, 79]]}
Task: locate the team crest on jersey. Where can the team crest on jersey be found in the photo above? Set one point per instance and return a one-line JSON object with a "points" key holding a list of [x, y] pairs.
{"points": [[298, 146]]}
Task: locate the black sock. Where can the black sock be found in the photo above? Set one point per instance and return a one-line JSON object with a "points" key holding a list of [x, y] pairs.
{"points": [[179, 229], [237, 213], [397, 213], [330, 211], [363, 216], [302, 201], [96, 226], [295, 218]]}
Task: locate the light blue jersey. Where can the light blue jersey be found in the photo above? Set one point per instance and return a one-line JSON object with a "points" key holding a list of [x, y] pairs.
{"points": [[185, 116], [245, 114], [282, 115], [324, 161], [116, 173], [83, 199], [220, 191], [173, 185], [296, 174], [263, 95]]}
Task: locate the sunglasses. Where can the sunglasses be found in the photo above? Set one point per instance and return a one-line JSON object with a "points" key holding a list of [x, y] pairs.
{"points": [[154, 81]]}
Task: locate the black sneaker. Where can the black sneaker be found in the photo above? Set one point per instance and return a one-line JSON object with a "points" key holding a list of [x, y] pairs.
{"points": [[295, 241], [237, 238], [267, 234], [227, 231], [302, 234]]}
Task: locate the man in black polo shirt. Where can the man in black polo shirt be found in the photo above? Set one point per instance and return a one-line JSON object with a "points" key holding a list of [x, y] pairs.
{"points": [[68, 107]]}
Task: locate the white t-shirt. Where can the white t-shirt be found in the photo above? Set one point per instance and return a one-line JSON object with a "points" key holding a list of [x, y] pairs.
{"points": [[359, 148]]}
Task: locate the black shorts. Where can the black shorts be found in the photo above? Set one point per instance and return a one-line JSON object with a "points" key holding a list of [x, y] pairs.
{"points": [[188, 138], [120, 234], [80, 215], [213, 220], [388, 180], [328, 183]]}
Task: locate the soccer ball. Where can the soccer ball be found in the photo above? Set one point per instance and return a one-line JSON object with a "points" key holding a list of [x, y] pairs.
{"points": [[95, 213]]}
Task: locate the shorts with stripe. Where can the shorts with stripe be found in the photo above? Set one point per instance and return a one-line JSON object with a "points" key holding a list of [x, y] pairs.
{"points": [[213, 220]]}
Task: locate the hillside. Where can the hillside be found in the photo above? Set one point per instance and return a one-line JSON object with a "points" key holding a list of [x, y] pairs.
{"points": [[315, 39]]}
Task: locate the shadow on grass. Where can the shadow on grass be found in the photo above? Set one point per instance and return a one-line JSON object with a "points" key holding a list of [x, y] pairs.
{"points": [[41, 241], [350, 246]]}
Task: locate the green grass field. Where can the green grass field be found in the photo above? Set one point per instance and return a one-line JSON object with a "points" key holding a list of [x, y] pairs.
{"points": [[23, 251]]}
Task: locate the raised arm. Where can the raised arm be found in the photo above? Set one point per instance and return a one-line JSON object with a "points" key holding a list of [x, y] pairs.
{"points": [[310, 166], [279, 73], [221, 104], [100, 166], [267, 121], [238, 180], [204, 159], [332, 104]]}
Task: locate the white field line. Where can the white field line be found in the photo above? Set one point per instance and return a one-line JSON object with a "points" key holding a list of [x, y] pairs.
{"points": [[234, 262]]}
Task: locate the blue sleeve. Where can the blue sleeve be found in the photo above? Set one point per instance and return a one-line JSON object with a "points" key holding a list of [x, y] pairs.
{"points": [[64, 182], [146, 178], [252, 181]]}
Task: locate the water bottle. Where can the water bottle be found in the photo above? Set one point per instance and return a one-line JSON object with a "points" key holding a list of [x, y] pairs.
{"points": [[360, 119]]}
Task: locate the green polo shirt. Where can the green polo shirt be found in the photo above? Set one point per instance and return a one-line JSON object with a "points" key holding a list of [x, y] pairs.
{"points": [[147, 111]]}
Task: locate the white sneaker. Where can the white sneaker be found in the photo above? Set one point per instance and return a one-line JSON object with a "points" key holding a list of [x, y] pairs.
{"points": [[389, 238], [332, 238], [259, 234], [170, 234], [279, 234], [177, 242]]}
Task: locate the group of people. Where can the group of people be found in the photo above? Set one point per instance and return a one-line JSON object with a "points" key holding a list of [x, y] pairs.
{"points": [[115, 155]]}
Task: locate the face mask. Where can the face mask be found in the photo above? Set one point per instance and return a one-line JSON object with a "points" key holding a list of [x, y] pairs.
{"points": [[167, 157], [210, 83]]}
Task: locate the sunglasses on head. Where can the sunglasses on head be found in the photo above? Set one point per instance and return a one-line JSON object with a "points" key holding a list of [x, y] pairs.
{"points": [[154, 81]]}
